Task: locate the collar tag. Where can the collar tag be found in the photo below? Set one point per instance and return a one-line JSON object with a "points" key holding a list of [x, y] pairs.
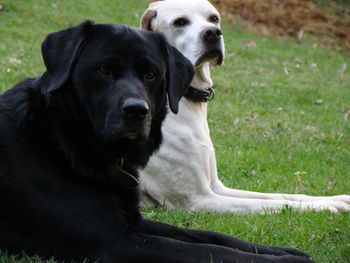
{"points": [[119, 177]]}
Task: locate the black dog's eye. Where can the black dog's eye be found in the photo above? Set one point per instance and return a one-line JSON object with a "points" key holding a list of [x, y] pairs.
{"points": [[181, 22], [150, 75], [104, 69], [214, 19]]}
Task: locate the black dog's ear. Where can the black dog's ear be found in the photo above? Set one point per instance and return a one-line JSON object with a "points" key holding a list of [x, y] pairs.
{"points": [[59, 51], [180, 72]]}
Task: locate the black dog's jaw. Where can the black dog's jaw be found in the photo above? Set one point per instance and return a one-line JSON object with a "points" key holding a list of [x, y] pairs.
{"points": [[70, 145]]}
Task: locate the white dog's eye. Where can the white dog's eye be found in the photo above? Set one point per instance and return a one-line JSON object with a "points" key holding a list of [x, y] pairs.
{"points": [[214, 19], [181, 22]]}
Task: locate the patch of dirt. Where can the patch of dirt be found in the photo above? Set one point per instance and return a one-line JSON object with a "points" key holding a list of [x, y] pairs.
{"points": [[287, 18]]}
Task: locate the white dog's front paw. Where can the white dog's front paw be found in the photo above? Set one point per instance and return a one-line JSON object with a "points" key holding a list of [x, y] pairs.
{"points": [[341, 198], [333, 206]]}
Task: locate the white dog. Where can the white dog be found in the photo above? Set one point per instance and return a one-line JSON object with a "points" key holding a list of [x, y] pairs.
{"points": [[183, 174]]}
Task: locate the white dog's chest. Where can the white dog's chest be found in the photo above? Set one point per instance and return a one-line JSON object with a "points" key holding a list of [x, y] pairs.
{"points": [[186, 154], [177, 126]]}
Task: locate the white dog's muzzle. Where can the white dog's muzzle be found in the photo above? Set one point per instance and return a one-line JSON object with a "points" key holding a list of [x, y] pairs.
{"points": [[212, 43]]}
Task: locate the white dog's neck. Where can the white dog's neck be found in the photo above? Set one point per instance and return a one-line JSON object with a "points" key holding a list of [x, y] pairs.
{"points": [[198, 110], [202, 79]]}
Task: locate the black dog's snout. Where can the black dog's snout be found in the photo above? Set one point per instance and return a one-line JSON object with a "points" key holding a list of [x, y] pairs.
{"points": [[136, 108], [211, 34]]}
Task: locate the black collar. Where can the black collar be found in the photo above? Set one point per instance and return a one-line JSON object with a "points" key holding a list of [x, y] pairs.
{"points": [[118, 176], [197, 95]]}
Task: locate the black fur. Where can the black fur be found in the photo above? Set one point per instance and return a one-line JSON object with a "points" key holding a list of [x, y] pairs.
{"points": [[66, 141]]}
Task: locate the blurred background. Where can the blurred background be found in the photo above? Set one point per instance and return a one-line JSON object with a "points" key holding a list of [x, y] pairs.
{"points": [[325, 20]]}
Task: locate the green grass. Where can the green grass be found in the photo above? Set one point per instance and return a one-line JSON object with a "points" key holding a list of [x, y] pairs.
{"points": [[266, 124]]}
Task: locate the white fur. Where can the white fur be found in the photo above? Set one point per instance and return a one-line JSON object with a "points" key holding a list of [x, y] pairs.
{"points": [[183, 174]]}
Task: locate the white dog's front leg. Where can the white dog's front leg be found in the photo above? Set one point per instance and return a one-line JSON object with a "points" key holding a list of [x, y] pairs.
{"points": [[218, 203], [220, 189]]}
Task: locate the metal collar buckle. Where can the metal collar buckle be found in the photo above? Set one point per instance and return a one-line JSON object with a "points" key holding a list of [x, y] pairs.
{"points": [[198, 95]]}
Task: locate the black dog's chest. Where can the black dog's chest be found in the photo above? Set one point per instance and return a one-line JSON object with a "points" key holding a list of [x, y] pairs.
{"points": [[42, 175]]}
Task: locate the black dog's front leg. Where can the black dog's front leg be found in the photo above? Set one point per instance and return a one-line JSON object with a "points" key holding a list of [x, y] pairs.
{"points": [[208, 237], [147, 248]]}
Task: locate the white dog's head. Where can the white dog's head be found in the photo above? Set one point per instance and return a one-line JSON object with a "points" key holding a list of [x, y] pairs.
{"points": [[193, 27]]}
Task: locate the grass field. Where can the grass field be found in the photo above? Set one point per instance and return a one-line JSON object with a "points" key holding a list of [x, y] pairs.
{"points": [[279, 121]]}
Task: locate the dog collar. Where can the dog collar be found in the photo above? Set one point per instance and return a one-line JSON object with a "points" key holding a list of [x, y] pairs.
{"points": [[198, 95], [119, 177]]}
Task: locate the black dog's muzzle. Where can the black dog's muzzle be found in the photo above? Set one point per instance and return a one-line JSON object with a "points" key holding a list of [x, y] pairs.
{"points": [[135, 109]]}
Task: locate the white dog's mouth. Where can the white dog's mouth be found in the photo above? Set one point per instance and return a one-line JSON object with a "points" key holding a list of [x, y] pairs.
{"points": [[214, 56]]}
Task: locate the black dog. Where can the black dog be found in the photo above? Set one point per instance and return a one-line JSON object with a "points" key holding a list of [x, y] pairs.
{"points": [[71, 142]]}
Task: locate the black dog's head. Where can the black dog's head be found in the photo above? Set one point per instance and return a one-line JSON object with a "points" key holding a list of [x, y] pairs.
{"points": [[120, 75]]}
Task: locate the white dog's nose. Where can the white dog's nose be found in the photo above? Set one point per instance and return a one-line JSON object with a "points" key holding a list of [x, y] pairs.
{"points": [[211, 34]]}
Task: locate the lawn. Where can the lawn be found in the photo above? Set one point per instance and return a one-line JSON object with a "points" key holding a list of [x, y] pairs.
{"points": [[279, 120]]}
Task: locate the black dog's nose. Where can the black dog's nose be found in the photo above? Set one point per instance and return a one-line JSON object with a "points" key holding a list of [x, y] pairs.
{"points": [[211, 34], [136, 108]]}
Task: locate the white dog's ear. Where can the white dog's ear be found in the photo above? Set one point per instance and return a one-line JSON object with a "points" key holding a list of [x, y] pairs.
{"points": [[148, 15]]}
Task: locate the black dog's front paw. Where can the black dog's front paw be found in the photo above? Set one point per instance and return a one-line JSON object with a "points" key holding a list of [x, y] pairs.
{"points": [[281, 251], [274, 259], [293, 251], [295, 259]]}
